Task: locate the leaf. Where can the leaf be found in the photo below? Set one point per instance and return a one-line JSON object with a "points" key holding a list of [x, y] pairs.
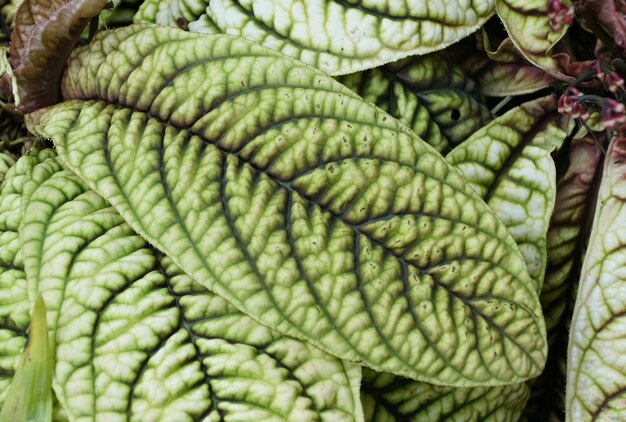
{"points": [[528, 26], [336, 36], [136, 338], [387, 397], [30, 395], [610, 16], [6, 161], [567, 238], [14, 306], [596, 377], [285, 193], [498, 72], [508, 163], [427, 93], [45, 32]]}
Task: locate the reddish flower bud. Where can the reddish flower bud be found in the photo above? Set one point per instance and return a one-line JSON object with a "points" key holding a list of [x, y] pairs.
{"points": [[559, 14], [599, 70], [614, 82], [613, 114], [568, 102]]}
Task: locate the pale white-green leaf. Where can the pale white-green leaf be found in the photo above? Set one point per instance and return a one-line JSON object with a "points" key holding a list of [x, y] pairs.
{"points": [[14, 305], [508, 163], [336, 36], [596, 367], [307, 208], [137, 339]]}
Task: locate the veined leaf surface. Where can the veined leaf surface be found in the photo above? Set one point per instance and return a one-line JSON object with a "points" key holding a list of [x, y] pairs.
{"points": [[427, 93], [137, 339], [6, 161], [567, 238], [14, 305], [508, 163], [336, 36], [499, 70], [307, 208], [389, 398], [596, 366]]}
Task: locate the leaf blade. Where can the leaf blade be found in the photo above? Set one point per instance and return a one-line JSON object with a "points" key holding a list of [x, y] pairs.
{"points": [[338, 37], [117, 303], [30, 394], [207, 159]]}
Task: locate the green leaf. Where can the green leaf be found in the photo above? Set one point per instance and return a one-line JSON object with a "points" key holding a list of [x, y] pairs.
{"points": [[336, 36], [136, 338], [14, 305], [6, 161], [508, 163], [596, 372], [30, 395], [307, 208], [388, 398], [427, 93], [567, 238]]}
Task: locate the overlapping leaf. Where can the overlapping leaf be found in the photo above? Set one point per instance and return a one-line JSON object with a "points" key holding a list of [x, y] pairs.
{"points": [[596, 367], [528, 25], [30, 394], [566, 243], [307, 208], [136, 338], [499, 70], [427, 93], [14, 307], [388, 398], [336, 36], [508, 163], [44, 33], [6, 161]]}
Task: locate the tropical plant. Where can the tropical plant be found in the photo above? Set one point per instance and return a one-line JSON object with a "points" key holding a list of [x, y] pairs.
{"points": [[312, 210]]}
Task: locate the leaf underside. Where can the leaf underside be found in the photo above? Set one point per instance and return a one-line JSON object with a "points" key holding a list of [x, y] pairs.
{"points": [[427, 93], [44, 33], [336, 36], [596, 380], [136, 338], [307, 208]]}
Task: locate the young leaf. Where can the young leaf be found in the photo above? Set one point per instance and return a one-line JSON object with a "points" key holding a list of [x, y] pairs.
{"points": [[137, 338], [596, 370], [338, 37], [307, 208], [30, 395], [387, 398], [508, 163], [45, 32], [427, 93]]}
